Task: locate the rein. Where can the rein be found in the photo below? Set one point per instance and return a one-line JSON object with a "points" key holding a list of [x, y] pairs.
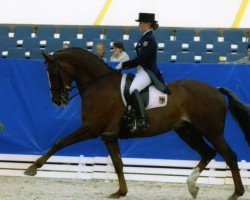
{"points": [[65, 90], [92, 81]]}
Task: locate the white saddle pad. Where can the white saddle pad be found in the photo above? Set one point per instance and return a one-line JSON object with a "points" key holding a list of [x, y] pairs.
{"points": [[156, 97]]}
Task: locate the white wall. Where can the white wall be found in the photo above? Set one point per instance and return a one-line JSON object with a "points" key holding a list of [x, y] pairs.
{"points": [[173, 13], [49, 11]]}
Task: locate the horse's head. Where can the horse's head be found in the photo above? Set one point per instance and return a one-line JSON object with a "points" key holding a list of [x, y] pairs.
{"points": [[60, 79]]}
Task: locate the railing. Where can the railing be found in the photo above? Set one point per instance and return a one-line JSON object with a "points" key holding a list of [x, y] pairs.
{"points": [[137, 169]]}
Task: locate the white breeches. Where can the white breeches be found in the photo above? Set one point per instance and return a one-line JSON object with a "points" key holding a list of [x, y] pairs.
{"points": [[140, 81]]}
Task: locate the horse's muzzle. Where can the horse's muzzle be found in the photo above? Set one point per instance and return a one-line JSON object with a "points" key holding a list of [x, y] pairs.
{"points": [[62, 100]]}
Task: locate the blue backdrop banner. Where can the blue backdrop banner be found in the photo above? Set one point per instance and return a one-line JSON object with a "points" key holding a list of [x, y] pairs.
{"points": [[32, 123]]}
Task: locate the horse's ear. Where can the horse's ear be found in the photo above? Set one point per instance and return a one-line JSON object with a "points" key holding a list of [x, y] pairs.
{"points": [[47, 57]]}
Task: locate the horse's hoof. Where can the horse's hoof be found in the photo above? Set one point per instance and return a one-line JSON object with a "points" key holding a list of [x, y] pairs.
{"points": [[194, 191], [114, 196], [117, 195], [31, 171], [233, 197]]}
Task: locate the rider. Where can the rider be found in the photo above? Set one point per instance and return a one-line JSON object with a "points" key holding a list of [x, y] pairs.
{"points": [[145, 62]]}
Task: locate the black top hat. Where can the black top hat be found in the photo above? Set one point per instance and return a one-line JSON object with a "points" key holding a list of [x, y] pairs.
{"points": [[146, 17]]}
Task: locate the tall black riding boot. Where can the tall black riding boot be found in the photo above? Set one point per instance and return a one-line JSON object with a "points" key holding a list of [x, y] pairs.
{"points": [[140, 123]]}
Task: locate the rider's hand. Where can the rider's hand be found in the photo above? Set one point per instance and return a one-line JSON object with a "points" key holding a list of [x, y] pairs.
{"points": [[119, 66]]}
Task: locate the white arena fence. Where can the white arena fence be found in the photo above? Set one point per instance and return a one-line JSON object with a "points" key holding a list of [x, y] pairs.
{"points": [[136, 169]]}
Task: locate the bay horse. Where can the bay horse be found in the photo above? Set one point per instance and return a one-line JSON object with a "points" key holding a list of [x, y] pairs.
{"points": [[195, 110]]}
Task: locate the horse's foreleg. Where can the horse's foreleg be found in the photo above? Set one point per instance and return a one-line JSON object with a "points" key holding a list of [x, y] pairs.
{"points": [[196, 142], [114, 151], [74, 137]]}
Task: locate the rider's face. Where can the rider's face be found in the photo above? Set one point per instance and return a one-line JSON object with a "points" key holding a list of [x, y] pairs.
{"points": [[144, 26]]}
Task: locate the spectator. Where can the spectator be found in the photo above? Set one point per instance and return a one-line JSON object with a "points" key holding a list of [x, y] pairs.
{"points": [[245, 60], [119, 54], [65, 46], [100, 51]]}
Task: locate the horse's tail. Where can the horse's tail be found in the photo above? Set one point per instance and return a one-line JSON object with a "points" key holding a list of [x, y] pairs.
{"points": [[240, 111]]}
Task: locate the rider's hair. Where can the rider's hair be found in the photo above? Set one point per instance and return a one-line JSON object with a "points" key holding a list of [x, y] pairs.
{"points": [[154, 25]]}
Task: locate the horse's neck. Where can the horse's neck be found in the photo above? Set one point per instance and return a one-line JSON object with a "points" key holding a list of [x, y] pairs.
{"points": [[94, 66], [92, 69], [93, 72], [100, 88], [89, 72]]}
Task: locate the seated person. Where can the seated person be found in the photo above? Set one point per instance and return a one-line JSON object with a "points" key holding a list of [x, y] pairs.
{"points": [[100, 51], [65, 45], [119, 54], [245, 60]]}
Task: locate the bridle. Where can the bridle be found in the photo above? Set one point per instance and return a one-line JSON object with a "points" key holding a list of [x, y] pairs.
{"points": [[64, 90]]}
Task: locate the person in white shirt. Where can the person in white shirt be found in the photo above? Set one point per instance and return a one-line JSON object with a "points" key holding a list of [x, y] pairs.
{"points": [[119, 54], [245, 60]]}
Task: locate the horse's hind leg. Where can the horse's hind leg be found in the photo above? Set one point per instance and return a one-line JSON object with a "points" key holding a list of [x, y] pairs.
{"points": [[220, 144], [197, 143], [76, 136]]}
